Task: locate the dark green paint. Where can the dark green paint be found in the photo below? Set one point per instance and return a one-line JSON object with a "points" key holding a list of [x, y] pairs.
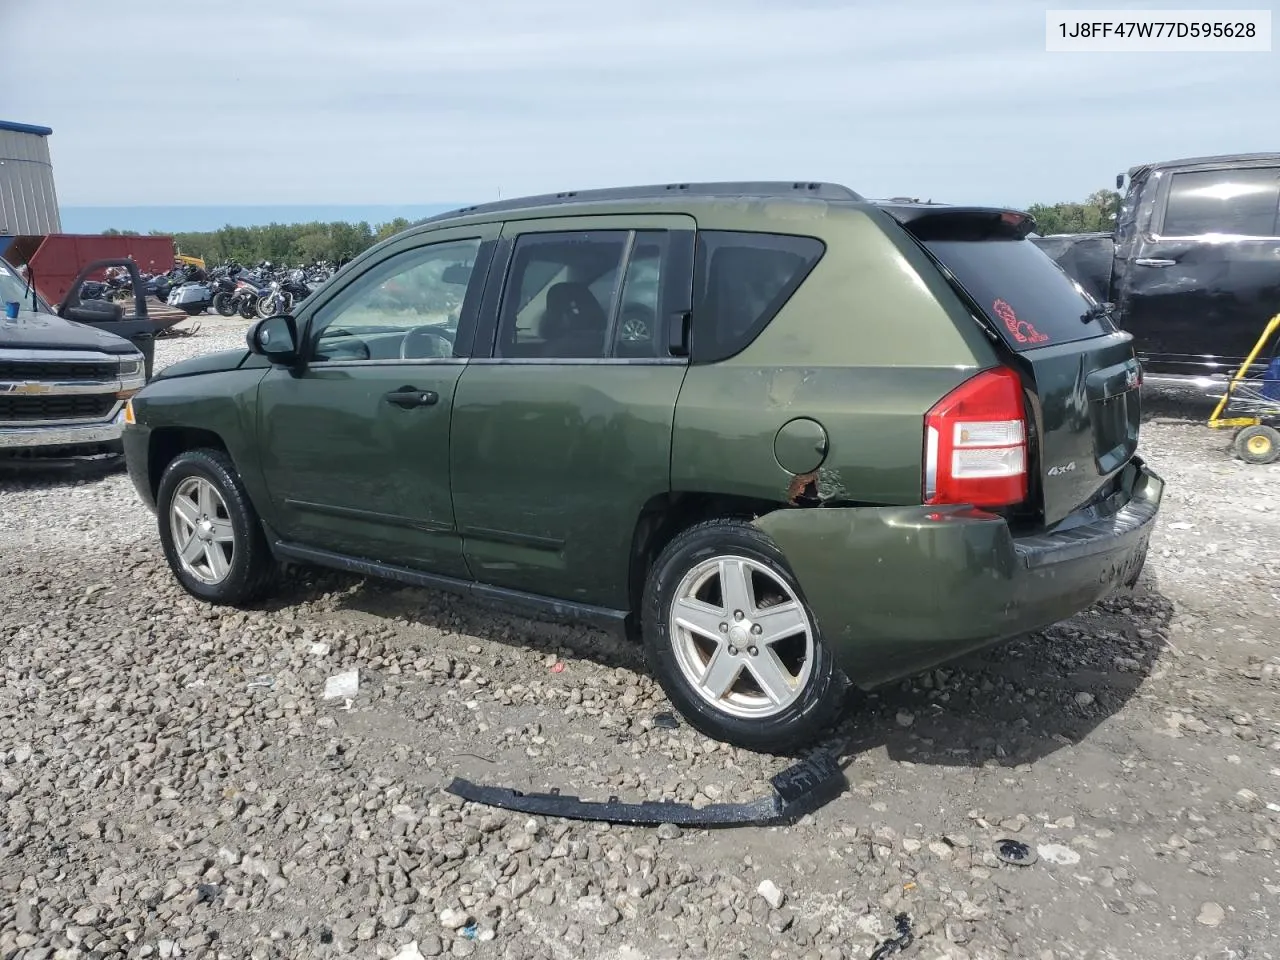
{"points": [[899, 589], [551, 467], [328, 438], [217, 362], [532, 476]]}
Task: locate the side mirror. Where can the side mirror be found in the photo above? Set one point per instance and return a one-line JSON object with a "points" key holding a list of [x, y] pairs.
{"points": [[93, 311], [275, 338]]}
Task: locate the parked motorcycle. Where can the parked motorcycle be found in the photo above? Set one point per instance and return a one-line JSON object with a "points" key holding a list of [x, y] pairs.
{"points": [[192, 298], [246, 297], [284, 294]]}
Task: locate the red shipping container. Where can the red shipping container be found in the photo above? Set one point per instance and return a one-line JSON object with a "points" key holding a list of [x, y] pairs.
{"points": [[54, 260]]}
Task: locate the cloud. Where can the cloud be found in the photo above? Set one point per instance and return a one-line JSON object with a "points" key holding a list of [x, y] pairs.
{"points": [[386, 101]]}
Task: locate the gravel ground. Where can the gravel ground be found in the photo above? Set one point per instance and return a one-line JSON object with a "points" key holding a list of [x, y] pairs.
{"points": [[172, 783]]}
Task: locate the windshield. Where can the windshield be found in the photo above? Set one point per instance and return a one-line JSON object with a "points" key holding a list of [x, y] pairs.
{"points": [[1027, 297], [14, 288]]}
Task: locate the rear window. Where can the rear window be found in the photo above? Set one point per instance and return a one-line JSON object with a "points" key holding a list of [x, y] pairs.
{"points": [[1028, 298], [741, 281]]}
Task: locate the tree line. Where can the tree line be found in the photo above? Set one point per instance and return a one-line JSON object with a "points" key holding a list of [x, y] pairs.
{"points": [[280, 243], [299, 243]]}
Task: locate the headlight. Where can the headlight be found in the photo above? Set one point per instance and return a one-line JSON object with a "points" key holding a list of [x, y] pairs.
{"points": [[131, 366]]}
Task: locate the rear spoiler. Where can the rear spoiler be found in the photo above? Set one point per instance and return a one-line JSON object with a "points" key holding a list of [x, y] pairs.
{"points": [[945, 222]]}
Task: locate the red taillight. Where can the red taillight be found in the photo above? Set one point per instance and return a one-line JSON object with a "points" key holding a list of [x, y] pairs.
{"points": [[976, 443]]}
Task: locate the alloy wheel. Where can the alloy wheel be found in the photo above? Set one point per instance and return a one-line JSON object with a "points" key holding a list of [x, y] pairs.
{"points": [[742, 638], [202, 530]]}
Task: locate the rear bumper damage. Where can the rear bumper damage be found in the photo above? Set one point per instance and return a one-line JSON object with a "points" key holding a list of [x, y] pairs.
{"points": [[797, 790], [896, 590]]}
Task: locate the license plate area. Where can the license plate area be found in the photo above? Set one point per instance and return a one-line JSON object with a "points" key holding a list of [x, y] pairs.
{"points": [[1115, 430], [1124, 570]]}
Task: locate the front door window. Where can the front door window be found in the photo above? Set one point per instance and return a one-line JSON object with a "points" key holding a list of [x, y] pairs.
{"points": [[404, 309]]}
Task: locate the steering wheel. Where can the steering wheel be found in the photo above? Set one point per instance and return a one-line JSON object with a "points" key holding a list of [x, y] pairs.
{"points": [[636, 323], [428, 342]]}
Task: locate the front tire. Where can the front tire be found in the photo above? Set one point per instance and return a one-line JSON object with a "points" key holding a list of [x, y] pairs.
{"points": [[733, 643], [267, 307], [210, 531]]}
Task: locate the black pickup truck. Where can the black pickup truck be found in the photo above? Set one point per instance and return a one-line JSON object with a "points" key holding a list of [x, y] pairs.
{"points": [[1193, 267]]}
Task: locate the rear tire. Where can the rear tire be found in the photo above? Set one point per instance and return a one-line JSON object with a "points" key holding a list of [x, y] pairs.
{"points": [[765, 680], [1258, 444], [191, 311], [210, 532]]}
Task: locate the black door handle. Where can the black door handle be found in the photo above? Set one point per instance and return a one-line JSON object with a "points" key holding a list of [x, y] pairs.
{"points": [[409, 397]]}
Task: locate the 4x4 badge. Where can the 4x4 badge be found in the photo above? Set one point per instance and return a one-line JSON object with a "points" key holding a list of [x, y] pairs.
{"points": [[1062, 468]]}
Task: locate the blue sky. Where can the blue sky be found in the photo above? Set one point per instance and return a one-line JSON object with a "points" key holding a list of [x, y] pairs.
{"points": [[419, 102]]}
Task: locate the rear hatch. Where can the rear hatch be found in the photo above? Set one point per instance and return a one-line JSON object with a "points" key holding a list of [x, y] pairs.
{"points": [[1078, 368]]}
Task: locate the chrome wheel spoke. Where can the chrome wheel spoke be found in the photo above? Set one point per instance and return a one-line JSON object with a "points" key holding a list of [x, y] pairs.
{"points": [[735, 586], [722, 673], [187, 509], [222, 532], [778, 623], [205, 498], [701, 618], [192, 550], [216, 559], [774, 679]]}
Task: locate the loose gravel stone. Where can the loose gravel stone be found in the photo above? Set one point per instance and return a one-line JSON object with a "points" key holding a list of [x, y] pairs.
{"points": [[771, 894], [172, 782], [1211, 914]]}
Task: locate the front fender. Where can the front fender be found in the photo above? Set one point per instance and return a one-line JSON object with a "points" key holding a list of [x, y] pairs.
{"points": [[223, 404]]}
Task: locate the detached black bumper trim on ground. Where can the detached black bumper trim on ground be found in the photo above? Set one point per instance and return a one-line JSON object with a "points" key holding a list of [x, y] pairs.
{"points": [[797, 790]]}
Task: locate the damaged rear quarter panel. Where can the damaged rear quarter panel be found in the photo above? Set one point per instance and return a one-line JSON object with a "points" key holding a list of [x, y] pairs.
{"points": [[871, 340]]}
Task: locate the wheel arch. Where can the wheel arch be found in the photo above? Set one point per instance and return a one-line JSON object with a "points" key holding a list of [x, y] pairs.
{"points": [[666, 516], [167, 443]]}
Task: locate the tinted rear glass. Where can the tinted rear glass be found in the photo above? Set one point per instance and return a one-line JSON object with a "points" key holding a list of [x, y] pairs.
{"points": [[1028, 298], [741, 281]]}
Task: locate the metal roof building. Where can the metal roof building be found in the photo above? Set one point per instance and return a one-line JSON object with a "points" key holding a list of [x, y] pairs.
{"points": [[28, 202]]}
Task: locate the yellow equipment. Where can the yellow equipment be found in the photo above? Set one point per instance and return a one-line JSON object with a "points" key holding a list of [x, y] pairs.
{"points": [[1255, 399]]}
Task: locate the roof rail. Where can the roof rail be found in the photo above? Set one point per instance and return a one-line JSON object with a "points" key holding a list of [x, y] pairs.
{"points": [[1225, 159], [745, 188]]}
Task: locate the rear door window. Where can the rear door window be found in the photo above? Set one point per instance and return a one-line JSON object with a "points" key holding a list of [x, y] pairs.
{"points": [[560, 293], [1243, 203], [1027, 297], [741, 281]]}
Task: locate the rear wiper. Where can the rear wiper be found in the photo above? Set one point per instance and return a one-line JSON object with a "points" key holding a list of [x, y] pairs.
{"points": [[1097, 311]]}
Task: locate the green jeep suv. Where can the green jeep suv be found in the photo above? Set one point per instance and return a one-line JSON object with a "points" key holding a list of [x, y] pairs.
{"points": [[787, 437]]}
